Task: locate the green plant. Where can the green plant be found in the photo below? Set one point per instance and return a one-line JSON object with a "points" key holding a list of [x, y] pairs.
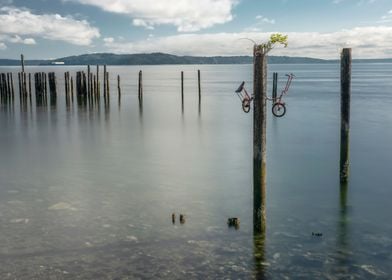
{"points": [[275, 39]]}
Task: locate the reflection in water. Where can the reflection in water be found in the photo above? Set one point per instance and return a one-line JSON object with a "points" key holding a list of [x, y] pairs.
{"points": [[141, 111], [199, 108], [343, 254], [259, 255]]}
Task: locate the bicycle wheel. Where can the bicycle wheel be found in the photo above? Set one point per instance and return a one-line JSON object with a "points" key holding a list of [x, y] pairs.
{"points": [[246, 105], [278, 109]]}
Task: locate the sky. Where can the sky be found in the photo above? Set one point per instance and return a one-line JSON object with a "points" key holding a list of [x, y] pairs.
{"points": [[44, 29]]}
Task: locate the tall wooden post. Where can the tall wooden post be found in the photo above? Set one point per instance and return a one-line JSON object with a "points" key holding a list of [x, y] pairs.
{"points": [[88, 80], [104, 80], [198, 82], [118, 87], [12, 85], [72, 89], [259, 140], [182, 87], [345, 91], [140, 87], [30, 85], [22, 62], [107, 84], [97, 79]]}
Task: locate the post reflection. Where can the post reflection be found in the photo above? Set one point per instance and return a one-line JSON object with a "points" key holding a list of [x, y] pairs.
{"points": [[343, 253], [259, 257]]}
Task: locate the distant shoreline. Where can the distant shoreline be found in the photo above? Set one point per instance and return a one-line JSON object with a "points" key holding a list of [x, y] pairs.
{"points": [[168, 59]]}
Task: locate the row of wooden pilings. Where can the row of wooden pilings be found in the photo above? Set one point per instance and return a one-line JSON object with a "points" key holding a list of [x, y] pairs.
{"points": [[87, 86], [260, 132]]}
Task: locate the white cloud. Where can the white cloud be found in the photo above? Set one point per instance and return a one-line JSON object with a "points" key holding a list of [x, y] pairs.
{"points": [[186, 15], [2, 46], [386, 18], [367, 42], [108, 40], [16, 23], [258, 25], [262, 19]]}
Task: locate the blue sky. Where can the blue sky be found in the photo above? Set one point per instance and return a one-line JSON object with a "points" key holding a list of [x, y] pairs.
{"points": [[316, 28]]}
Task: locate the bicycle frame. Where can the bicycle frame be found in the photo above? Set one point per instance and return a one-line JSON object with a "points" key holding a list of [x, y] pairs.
{"points": [[242, 93], [290, 78], [246, 98]]}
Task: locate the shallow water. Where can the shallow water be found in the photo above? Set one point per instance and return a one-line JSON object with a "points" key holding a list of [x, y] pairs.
{"points": [[88, 192]]}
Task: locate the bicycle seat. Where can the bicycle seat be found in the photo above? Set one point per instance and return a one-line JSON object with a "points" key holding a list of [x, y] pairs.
{"points": [[239, 89]]}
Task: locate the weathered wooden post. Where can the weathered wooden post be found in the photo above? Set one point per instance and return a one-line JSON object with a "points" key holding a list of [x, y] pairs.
{"points": [[88, 80], [91, 86], [8, 81], [274, 87], [107, 84], [78, 83], [65, 84], [345, 92], [182, 86], [259, 139], [24, 84], [30, 85], [118, 87], [52, 84], [20, 85], [104, 80], [98, 90], [72, 89], [45, 84], [95, 87], [198, 82], [140, 86], [12, 85], [22, 62]]}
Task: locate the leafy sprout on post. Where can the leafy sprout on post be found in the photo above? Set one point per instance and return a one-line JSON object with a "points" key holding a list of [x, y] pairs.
{"points": [[275, 39]]}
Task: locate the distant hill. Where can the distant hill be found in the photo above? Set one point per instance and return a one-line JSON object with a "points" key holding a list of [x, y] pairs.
{"points": [[163, 58]]}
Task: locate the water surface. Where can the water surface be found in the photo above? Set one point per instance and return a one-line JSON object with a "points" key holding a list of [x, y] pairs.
{"points": [[88, 192]]}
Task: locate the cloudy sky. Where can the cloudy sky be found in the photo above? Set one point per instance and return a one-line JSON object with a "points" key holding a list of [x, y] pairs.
{"points": [[316, 28]]}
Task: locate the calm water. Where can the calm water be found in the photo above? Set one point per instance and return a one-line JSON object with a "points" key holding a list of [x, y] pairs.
{"points": [[88, 193]]}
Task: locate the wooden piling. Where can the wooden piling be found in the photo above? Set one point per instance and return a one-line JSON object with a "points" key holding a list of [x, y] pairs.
{"points": [[104, 80], [8, 84], [20, 85], [274, 87], [95, 88], [52, 84], [107, 85], [12, 85], [140, 86], [24, 83], [65, 84], [118, 87], [198, 82], [30, 85], [98, 90], [72, 89], [88, 80], [182, 87], [345, 91], [22, 62], [259, 140], [45, 84], [91, 87]]}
